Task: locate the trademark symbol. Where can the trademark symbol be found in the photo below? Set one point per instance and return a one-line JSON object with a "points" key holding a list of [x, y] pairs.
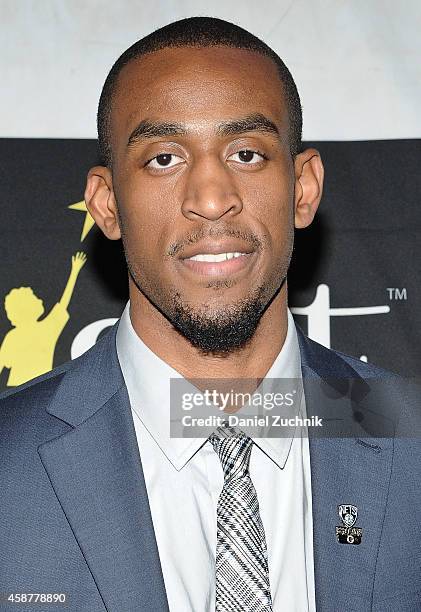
{"points": [[397, 294]]}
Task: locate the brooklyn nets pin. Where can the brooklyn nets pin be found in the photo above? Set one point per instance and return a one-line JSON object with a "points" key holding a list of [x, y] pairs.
{"points": [[348, 534]]}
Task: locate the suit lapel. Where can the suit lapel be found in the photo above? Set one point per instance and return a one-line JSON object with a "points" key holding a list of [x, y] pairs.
{"points": [[348, 470], [96, 473]]}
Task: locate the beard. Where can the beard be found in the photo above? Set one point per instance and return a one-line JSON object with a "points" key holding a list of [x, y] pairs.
{"points": [[217, 332], [213, 331]]}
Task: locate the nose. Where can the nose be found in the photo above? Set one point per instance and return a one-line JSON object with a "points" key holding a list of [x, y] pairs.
{"points": [[210, 191]]}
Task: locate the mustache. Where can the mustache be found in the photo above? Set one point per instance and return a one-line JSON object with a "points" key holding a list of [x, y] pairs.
{"points": [[200, 234]]}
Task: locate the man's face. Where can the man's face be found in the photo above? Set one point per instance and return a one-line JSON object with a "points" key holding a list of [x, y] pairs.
{"points": [[217, 178]]}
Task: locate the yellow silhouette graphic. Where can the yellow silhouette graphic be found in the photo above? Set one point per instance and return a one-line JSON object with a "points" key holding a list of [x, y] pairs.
{"points": [[28, 349], [89, 221]]}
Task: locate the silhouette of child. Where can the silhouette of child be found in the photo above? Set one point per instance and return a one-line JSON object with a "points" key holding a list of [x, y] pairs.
{"points": [[28, 349]]}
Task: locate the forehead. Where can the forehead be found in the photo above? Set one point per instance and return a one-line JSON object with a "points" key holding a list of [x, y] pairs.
{"points": [[196, 85]]}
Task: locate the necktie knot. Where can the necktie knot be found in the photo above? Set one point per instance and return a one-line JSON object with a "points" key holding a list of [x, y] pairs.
{"points": [[233, 449]]}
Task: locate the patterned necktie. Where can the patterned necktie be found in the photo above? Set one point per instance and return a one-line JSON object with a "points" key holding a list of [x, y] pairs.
{"points": [[242, 575]]}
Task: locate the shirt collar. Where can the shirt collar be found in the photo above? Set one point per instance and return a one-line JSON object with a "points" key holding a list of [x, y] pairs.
{"points": [[147, 378]]}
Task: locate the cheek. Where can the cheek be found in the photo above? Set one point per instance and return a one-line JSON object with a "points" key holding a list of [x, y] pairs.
{"points": [[144, 238], [272, 205], [145, 214]]}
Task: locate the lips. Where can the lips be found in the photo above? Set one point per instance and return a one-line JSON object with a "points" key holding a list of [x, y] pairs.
{"points": [[217, 258], [216, 247]]}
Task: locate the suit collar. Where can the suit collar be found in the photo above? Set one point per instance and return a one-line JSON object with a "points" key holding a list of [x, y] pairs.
{"points": [[91, 380], [322, 361]]}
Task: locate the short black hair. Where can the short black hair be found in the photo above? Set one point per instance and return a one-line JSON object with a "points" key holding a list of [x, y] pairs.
{"points": [[197, 32]]}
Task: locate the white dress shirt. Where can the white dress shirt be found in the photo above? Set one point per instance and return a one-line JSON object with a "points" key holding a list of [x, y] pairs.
{"points": [[184, 478]]}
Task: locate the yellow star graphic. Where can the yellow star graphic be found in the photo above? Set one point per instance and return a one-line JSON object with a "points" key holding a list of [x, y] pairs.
{"points": [[88, 223]]}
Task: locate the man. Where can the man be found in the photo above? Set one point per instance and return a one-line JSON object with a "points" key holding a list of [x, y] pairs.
{"points": [[204, 179]]}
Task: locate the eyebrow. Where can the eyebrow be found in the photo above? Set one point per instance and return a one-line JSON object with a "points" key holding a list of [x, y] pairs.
{"points": [[255, 122], [154, 129], [251, 123]]}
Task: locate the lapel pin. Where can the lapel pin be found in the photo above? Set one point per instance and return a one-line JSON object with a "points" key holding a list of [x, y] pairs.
{"points": [[347, 533]]}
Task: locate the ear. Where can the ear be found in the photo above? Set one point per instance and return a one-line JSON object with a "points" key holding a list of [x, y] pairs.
{"points": [[309, 174], [100, 201]]}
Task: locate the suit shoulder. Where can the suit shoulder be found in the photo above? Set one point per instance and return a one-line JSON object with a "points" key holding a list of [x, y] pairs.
{"points": [[35, 387], [332, 361], [51, 379], [23, 410], [33, 396], [364, 368]]}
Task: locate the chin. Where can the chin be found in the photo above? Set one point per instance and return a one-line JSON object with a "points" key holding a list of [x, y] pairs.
{"points": [[218, 328]]}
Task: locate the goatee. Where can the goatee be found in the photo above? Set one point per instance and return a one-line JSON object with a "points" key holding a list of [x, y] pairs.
{"points": [[219, 333]]}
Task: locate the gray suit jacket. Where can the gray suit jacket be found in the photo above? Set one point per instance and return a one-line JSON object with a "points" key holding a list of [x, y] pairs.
{"points": [[74, 512]]}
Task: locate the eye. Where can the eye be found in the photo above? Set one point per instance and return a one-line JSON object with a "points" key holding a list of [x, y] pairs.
{"points": [[164, 160], [248, 157]]}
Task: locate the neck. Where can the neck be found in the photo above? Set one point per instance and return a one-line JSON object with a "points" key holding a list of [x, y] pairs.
{"points": [[253, 361]]}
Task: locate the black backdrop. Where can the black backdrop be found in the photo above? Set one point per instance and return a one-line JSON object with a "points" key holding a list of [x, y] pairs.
{"points": [[363, 248]]}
